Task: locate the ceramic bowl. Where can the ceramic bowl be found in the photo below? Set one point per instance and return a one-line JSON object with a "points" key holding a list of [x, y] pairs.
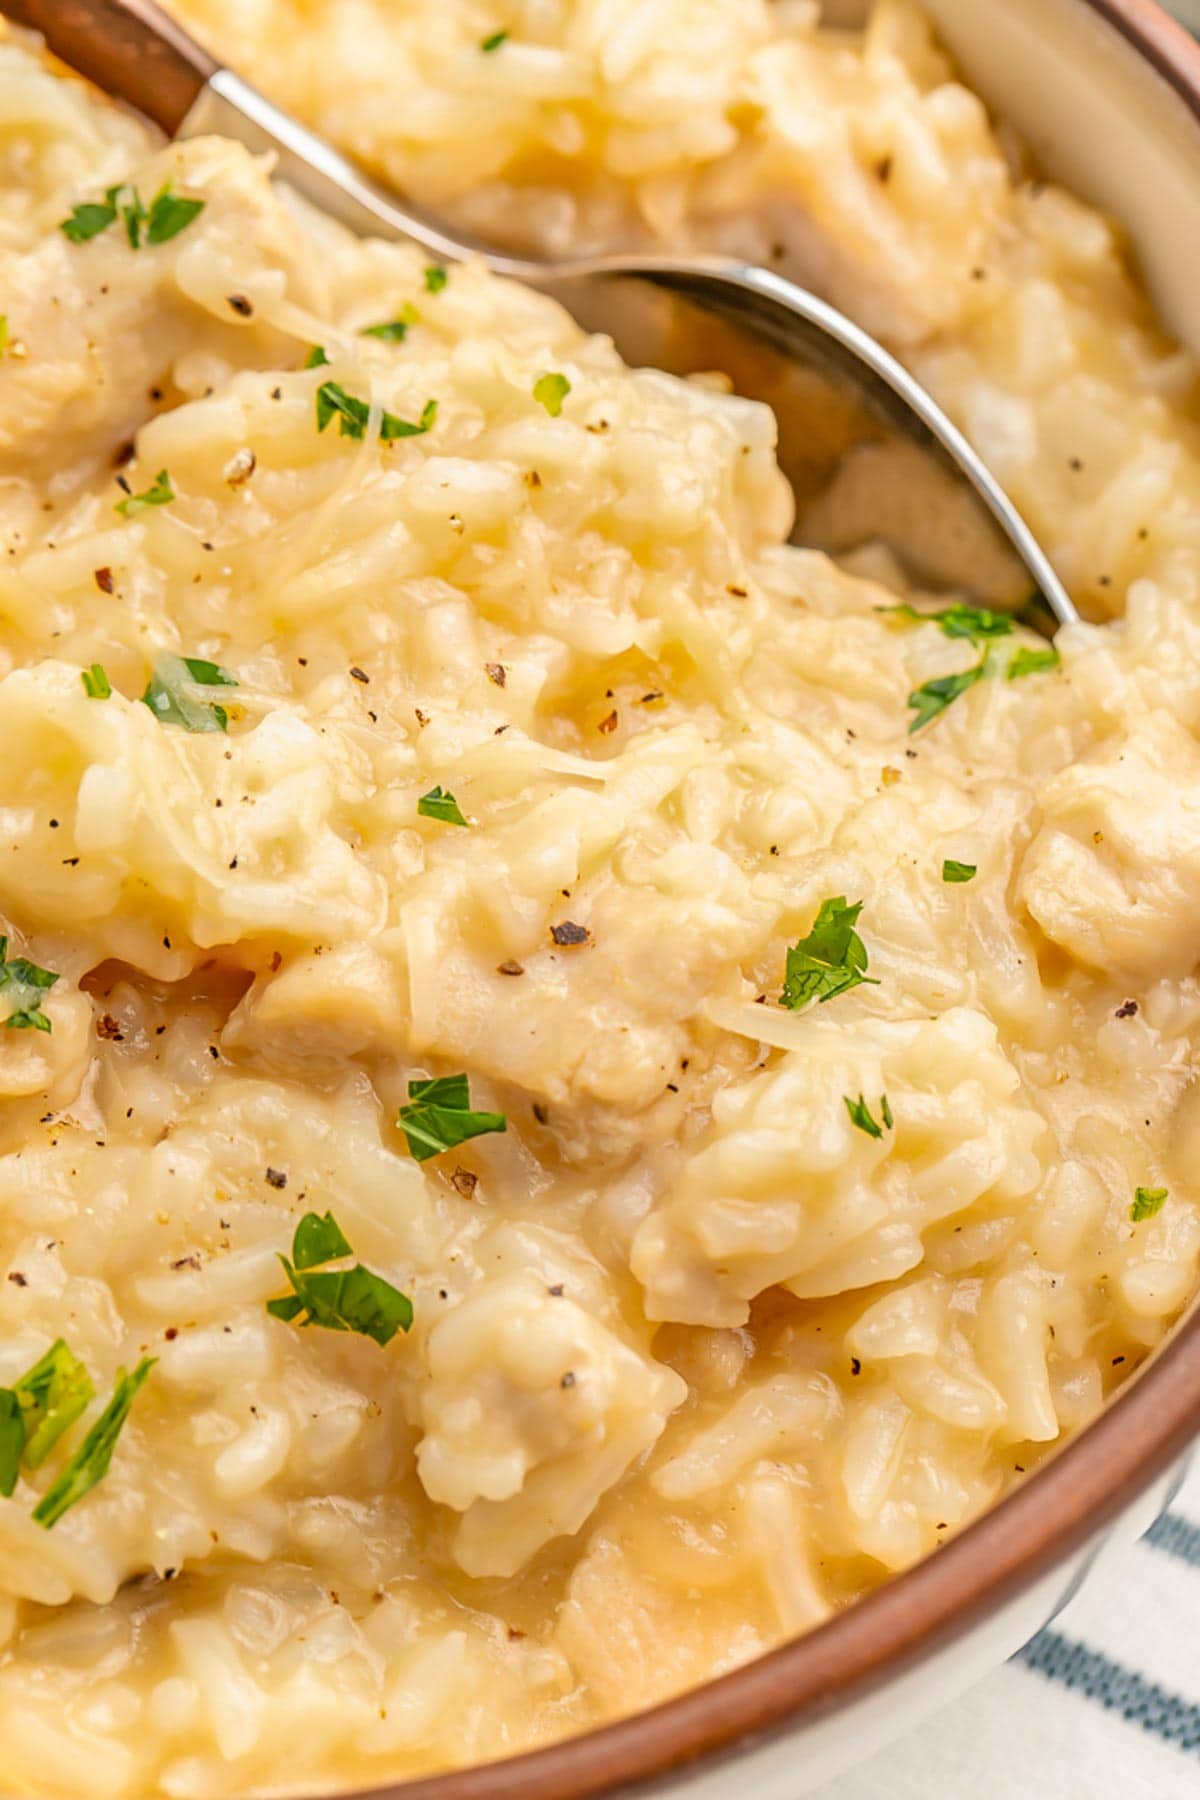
{"points": [[1107, 94]]}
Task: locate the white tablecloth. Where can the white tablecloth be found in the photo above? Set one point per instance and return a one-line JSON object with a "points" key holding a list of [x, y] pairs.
{"points": [[1104, 1705]]}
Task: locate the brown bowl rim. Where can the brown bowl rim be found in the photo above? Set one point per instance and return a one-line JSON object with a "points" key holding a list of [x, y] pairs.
{"points": [[1144, 1430]]}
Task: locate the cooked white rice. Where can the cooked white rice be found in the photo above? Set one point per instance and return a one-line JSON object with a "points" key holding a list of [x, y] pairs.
{"points": [[695, 1359]]}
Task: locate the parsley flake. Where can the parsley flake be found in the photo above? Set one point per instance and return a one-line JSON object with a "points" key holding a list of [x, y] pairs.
{"points": [[158, 493], [438, 1116], [318, 1240], [933, 697], [51, 1394], [860, 1115], [439, 803], [955, 871], [1147, 1202], [168, 693], [436, 278], [133, 216], [830, 960], [977, 626], [352, 414], [12, 1440], [166, 216], [90, 1462], [26, 984], [494, 41], [38, 1408], [88, 220], [337, 1299], [169, 214], [394, 331], [316, 358], [96, 684], [1027, 661], [550, 391], [975, 623]]}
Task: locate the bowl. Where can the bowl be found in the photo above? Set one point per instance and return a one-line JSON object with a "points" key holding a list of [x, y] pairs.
{"points": [[1107, 94]]}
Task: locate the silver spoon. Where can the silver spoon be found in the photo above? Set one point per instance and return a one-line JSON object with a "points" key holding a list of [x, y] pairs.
{"points": [[869, 453]]}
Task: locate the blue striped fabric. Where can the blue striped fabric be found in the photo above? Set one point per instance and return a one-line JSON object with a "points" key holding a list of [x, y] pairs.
{"points": [[1177, 1536], [1118, 1689], [1107, 1679]]}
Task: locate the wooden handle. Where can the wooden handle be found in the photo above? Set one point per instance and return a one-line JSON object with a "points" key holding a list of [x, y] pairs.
{"points": [[129, 48]]}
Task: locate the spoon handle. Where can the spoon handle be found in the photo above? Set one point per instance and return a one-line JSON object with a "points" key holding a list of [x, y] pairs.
{"points": [[129, 48]]}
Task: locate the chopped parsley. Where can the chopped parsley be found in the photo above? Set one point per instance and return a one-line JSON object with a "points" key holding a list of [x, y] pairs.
{"points": [[51, 1395], [860, 1115], [38, 1408], [439, 803], [955, 871], [26, 984], [494, 41], [394, 331], [550, 391], [975, 623], [88, 220], [12, 1440], [168, 693], [316, 358], [165, 217], [1027, 661], [436, 278], [933, 697], [169, 214], [438, 1116], [133, 216], [157, 494], [96, 684], [352, 414], [977, 626], [337, 1299], [90, 1462], [318, 1240], [830, 960], [1147, 1202]]}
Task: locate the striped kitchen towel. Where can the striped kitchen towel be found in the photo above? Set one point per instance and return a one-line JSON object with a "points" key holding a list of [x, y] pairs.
{"points": [[1103, 1705]]}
